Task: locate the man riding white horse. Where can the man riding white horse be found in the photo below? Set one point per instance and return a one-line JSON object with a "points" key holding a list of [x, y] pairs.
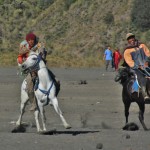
{"points": [[136, 55], [46, 92], [31, 44]]}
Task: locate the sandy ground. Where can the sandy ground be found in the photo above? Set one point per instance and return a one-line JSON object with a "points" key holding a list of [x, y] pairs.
{"points": [[94, 110]]}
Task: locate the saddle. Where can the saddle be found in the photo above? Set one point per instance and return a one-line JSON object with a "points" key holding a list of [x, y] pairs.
{"points": [[33, 82]]}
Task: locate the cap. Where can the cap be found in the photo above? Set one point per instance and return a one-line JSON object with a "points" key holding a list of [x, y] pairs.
{"points": [[129, 35], [30, 36]]}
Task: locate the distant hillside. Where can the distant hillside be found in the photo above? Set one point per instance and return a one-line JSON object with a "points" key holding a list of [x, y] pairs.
{"points": [[76, 32]]}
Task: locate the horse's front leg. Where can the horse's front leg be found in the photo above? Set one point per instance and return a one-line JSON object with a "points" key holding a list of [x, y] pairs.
{"points": [[24, 99], [54, 102], [36, 114], [127, 106], [43, 118]]}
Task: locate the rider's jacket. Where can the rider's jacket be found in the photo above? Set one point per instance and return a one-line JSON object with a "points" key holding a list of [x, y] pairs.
{"points": [[25, 46], [136, 56]]}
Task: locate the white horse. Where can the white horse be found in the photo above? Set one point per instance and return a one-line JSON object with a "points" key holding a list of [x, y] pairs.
{"points": [[45, 94]]}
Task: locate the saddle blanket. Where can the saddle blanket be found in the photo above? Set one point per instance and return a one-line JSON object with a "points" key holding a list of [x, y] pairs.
{"points": [[135, 86]]}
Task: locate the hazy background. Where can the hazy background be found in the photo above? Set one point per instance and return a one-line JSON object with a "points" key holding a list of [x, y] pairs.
{"points": [[76, 32]]}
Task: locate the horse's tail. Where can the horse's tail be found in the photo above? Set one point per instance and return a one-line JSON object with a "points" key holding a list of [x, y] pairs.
{"points": [[57, 85], [56, 82]]}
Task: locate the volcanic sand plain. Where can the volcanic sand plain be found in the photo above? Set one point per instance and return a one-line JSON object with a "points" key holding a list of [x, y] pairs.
{"points": [[91, 102]]}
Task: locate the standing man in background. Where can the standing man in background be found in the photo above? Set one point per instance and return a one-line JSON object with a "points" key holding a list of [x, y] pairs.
{"points": [[108, 57]]}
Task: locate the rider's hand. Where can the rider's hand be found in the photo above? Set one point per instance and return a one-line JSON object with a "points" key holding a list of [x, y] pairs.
{"points": [[39, 45], [141, 67], [23, 50], [27, 50], [146, 64]]}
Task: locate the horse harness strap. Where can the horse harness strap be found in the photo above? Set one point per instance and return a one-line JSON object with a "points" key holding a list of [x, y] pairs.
{"points": [[47, 92], [35, 67]]}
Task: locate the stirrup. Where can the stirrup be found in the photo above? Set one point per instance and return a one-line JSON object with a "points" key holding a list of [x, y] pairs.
{"points": [[146, 97]]}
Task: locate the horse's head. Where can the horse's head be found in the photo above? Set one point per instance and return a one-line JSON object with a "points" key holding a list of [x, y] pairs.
{"points": [[123, 75], [31, 63]]}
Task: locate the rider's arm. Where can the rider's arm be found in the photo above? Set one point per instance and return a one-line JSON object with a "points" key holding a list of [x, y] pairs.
{"points": [[42, 50], [23, 51], [128, 58], [146, 50], [23, 48]]}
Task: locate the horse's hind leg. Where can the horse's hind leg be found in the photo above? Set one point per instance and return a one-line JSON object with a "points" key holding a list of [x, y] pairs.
{"points": [[54, 102], [141, 105]]}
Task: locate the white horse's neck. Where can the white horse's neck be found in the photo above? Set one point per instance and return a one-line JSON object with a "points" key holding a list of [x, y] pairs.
{"points": [[44, 78]]}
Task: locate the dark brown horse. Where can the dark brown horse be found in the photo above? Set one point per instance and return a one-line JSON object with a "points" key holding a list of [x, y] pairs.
{"points": [[127, 78]]}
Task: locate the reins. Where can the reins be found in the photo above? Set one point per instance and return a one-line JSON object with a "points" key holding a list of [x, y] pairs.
{"points": [[146, 72], [35, 67], [47, 92]]}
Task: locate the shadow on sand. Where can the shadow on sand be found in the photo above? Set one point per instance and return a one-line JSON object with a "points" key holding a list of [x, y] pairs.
{"points": [[74, 133], [22, 129]]}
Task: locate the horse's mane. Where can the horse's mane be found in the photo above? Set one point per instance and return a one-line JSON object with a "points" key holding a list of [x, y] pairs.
{"points": [[123, 75]]}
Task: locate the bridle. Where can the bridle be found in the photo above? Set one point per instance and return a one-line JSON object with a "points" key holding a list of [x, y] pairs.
{"points": [[35, 66]]}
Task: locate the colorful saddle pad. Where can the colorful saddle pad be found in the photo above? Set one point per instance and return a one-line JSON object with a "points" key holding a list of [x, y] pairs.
{"points": [[135, 86]]}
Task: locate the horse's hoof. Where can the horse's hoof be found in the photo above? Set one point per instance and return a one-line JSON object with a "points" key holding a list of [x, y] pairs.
{"points": [[17, 124], [19, 129], [68, 126], [39, 130], [131, 127], [42, 132]]}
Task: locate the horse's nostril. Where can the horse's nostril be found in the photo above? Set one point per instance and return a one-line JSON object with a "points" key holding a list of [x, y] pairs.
{"points": [[23, 66]]}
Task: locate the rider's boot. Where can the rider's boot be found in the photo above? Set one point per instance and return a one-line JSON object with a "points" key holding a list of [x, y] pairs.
{"points": [[144, 92]]}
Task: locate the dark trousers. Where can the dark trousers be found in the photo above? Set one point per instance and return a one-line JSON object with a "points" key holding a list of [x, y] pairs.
{"points": [[108, 62]]}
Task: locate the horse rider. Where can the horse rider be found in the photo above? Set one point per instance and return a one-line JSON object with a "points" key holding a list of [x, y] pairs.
{"points": [[136, 55], [31, 44]]}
